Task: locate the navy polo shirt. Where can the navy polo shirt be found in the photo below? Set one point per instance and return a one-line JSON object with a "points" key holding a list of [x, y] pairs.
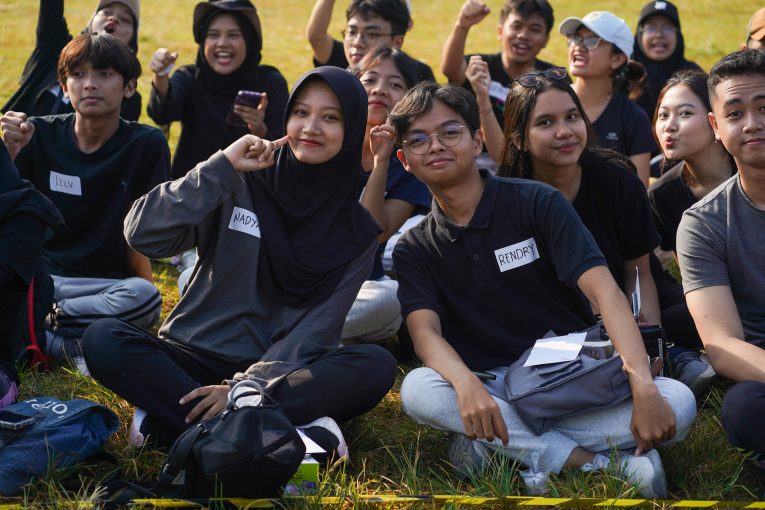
{"points": [[505, 279]]}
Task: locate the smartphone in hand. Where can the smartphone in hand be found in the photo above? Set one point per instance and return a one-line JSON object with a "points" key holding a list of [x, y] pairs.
{"points": [[244, 98]]}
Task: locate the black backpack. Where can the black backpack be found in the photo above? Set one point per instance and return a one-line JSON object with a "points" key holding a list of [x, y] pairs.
{"points": [[251, 450]]}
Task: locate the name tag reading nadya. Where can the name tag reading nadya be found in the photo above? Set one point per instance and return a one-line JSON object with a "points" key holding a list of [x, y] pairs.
{"points": [[62, 183], [517, 255], [244, 221]]}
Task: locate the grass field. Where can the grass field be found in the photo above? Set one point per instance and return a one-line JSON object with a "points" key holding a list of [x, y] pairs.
{"points": [[389, 453]]}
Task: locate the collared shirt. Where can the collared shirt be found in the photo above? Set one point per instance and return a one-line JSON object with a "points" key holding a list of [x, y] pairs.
{"points": [[505, 279]]}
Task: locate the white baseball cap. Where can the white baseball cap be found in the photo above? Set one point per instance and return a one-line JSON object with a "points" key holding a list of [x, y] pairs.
{"points": [[606, 25]]}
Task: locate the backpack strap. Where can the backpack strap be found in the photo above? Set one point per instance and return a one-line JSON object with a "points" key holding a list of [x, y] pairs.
{"points": [[38, 357], [173, 473]]}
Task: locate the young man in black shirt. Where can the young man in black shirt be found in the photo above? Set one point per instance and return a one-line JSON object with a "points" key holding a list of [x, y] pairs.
{"points": [[39, 92], [92, 165], [370, 23], [523, 31], [496, 265]]}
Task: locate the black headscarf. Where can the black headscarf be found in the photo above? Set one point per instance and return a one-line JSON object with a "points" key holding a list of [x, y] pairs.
{"points": [[241, 78], [658, 72], [312, 223]]}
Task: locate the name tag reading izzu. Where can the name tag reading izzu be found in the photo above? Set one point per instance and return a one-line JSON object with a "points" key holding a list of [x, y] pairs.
{"points": [[69, 184], [517, 255], [245, 221]]}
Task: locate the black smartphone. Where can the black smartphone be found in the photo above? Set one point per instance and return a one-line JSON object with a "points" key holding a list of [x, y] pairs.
{"points": [[15, 421], [244, 98]]}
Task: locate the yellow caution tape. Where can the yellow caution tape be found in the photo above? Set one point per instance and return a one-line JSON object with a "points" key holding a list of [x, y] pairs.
{"points": [[440, 499]]}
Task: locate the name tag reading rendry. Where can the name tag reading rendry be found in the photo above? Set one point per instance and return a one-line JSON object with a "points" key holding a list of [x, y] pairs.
{"points": [[69, 184], [516, 255], [555, 349], [245, 221]]}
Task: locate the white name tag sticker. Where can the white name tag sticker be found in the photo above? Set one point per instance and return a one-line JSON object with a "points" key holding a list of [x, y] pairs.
{"points": [[517, 255], [69, 184], [245, 221], [498, 91]]}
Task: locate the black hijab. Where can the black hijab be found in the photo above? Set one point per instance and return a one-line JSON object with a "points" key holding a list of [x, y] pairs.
{"points": [[312, 223], [658, 72], [241, 78]]}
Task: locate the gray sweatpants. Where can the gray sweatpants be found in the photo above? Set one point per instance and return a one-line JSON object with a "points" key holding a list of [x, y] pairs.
{"points": [[429, 399], [81, 301], [375, 313]]}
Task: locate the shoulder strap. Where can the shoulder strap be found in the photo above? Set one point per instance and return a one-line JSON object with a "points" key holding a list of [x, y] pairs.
{"points": [[179, 454]]}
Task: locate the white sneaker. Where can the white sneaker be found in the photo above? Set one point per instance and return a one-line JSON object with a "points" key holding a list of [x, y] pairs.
{"points": [[326, 433], [645, 471], [137, 439]]}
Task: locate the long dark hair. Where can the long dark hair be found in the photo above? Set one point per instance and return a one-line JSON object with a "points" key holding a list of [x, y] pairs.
{"points": [[516, 160], [382, 53], [696, 82]]}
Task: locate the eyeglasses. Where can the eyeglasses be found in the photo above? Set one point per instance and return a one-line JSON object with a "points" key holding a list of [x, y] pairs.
{"points": [[367, 37], [655, 29], [590, 42], [448, 136], [533, 79]]}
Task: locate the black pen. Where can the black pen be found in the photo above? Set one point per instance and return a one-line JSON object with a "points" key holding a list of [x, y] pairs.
{"points": [[484, 376]]}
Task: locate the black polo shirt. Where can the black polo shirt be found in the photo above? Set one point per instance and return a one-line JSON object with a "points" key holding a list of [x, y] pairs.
{"points": [[504, 280]]}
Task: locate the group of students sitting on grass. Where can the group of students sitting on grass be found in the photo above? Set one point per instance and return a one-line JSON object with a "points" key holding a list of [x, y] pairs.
{"points": [[286, 208]]}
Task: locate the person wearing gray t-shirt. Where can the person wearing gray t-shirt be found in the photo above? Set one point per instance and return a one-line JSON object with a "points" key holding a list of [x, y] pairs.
{"points": [[721, 250]]}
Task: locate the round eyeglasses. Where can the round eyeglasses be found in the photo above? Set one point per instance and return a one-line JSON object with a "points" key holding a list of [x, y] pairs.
{"points": [[533, 79], [590, 42], [419, 143]]}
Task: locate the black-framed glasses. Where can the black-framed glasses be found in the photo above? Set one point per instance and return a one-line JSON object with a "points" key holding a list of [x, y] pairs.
{"points": [[367, 36], [534, 78], [448, 136], [590, 42], [655, 29]]}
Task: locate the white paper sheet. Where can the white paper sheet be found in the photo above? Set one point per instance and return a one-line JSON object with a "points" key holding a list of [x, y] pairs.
{"points": [[556, 349]]}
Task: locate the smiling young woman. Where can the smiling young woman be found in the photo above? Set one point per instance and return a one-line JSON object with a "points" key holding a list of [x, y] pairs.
{"points": [[201, 96], [388, 192]]}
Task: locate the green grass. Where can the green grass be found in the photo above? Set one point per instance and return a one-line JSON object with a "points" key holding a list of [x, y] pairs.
{"points": [[390, 454]]}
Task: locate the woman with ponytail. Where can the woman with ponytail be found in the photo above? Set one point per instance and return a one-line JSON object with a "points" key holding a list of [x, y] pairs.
{"points": [[599, 47]]}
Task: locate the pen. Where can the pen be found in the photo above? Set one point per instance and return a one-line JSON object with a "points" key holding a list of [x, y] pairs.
{"points": [[484, 376]]}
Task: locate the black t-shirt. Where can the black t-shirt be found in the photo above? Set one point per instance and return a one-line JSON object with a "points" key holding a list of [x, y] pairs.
{"points": [[670, 196], [507, 278], [92, 191], [624, 127], [500, 81], [613, 205], [337, 59]]}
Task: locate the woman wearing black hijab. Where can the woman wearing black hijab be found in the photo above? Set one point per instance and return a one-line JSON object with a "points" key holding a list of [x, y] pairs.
{"points": [[201, 96], [660, 47], [283, 250]]}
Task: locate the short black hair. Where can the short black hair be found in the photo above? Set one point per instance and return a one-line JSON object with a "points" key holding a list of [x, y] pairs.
{"points": [[394, 12], [102, 51], [419, 101], [740, 63], [526, 8]]}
